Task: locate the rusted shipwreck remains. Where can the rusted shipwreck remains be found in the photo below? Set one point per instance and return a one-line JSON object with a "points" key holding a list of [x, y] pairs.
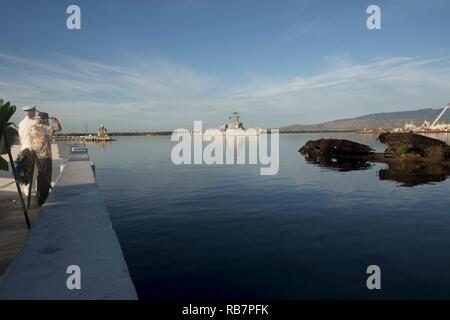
{"points": [[329, 148], [412, 159], [414, 147], [401, 146], [342, 155]]}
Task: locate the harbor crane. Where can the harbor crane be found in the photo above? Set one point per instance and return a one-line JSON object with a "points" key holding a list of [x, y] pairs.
{"points": [[440, 115], [434, 126]]}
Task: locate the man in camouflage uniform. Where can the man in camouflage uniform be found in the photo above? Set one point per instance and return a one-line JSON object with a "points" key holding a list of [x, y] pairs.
{"points": [[41, 138]]}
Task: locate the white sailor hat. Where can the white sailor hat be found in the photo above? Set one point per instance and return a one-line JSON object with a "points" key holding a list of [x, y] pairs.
{"points": [[29, 108]]}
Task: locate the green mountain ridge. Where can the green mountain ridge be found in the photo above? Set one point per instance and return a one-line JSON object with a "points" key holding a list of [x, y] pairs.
{"points": [[386, 120]]}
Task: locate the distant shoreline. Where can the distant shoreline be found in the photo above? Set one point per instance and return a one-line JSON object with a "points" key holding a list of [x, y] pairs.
{"points": [[319, 131], [123, 134], [168, 133]]}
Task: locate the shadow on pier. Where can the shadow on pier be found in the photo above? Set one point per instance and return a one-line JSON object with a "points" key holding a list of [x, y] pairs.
{"points": [[73, 228]]}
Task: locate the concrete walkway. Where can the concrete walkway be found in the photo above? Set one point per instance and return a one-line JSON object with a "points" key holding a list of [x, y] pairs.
{"points": [[73, 228]]}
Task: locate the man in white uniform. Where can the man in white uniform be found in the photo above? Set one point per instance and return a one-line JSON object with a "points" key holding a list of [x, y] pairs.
{"points": [[25, 127], [24, 137]]}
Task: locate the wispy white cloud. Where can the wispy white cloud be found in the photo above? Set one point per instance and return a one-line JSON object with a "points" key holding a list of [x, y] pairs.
{"points": [[344, 75], [80, 88], [347, 89], [158, 94], [72, 76]]}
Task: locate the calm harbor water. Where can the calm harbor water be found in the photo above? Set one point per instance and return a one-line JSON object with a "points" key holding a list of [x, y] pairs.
{"points": [[308, 232]]}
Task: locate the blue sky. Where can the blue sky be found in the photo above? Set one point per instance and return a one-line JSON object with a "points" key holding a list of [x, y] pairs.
{"points": [[155, 65]]}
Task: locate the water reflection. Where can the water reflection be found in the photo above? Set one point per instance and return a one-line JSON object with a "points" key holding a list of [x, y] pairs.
{"points": [[413, 174], [339, 164], [406, 173], [292, 226], [104, 145]]}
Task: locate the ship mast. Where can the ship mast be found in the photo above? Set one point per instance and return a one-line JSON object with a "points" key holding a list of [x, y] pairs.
{"points": [[234, 120]]}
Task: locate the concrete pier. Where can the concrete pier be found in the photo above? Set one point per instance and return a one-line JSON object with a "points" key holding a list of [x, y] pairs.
{"points": [[73, 228]]}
